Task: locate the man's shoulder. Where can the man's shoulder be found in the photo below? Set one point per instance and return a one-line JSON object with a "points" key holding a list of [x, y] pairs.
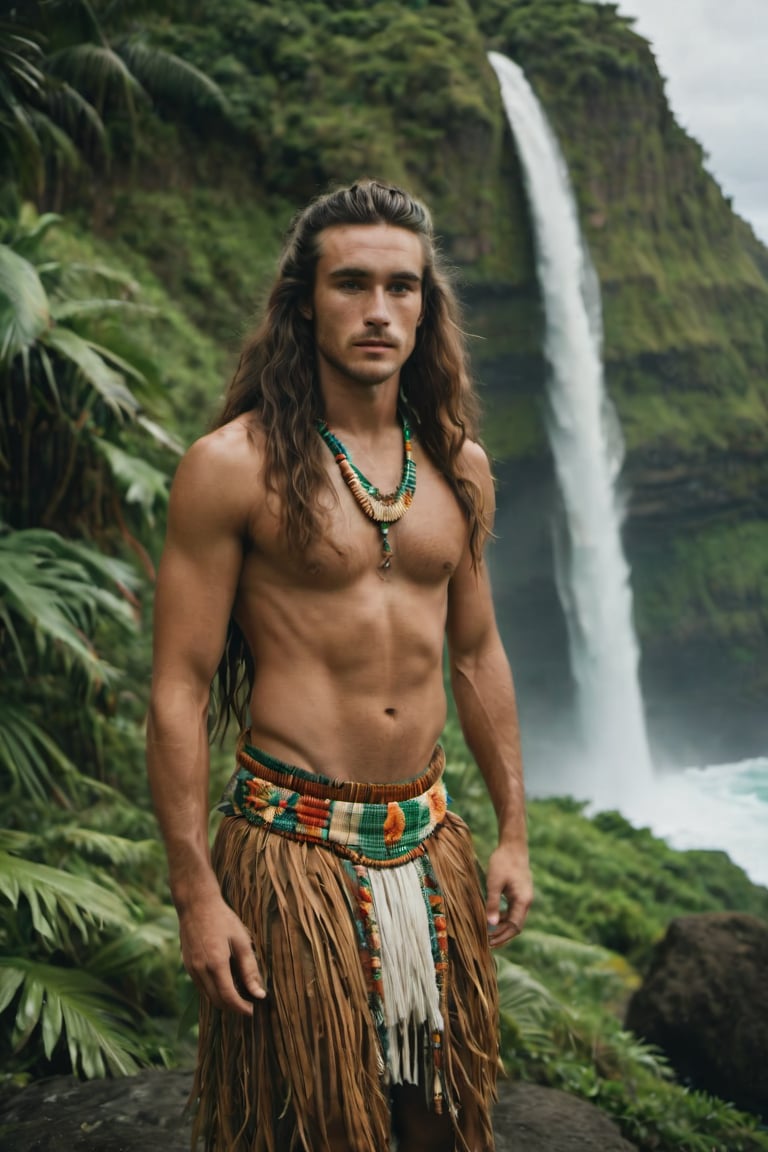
{"points": [[474, 462], [222, 469], [238, 443]]}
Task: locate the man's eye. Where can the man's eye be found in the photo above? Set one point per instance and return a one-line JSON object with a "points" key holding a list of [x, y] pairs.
{"points": [[402, 288], [349, 285]]}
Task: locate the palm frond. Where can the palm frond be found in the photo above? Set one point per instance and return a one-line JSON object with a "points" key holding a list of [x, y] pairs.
{"points": [[47, 583], [24, 309], [94, 270], [27, 233], [57, 899], [109, 384], [168, 78], [54, 141], [116, 850], [98, 71], [22, 146], [563, 954], [563, 948], [21, 58], [143, 484], [70, 110], [153, 943], [161, 435], [528, 1005], [73, 1005], [102, 306], [28, 753]]}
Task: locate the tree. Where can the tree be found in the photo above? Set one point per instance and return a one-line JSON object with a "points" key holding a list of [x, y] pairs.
{"points": [[70, 76]]}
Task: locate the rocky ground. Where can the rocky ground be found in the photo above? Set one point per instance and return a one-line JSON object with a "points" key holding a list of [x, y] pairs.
{"points": [[146, 1114]]}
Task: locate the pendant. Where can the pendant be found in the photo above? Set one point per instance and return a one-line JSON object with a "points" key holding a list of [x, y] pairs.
{"points": [[384, 510]]}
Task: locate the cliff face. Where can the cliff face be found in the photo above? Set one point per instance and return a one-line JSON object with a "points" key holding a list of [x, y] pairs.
{"points": [[686, 348], [322, 92]]}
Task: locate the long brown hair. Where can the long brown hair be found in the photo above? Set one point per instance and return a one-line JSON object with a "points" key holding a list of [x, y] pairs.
{"points": [[277, 385]]}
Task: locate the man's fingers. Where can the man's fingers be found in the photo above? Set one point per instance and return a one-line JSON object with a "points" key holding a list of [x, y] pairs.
{"points": [[510, 925], [492, 899], [219, 986], [503, 934], [246, 970], [229, 978]]}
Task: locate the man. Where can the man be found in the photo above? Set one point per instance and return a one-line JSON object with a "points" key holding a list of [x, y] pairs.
{"points": [[322, 542]]}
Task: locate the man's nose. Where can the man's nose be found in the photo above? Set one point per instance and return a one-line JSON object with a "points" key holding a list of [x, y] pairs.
{"points": [[377, 309]]}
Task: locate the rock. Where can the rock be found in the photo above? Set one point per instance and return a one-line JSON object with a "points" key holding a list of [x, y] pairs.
{"points": [[145, 1114], [529, 1118], [141, 1113], [704, 1002]]}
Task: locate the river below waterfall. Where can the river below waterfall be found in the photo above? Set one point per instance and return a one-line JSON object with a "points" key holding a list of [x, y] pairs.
{"points": [[724, 806]]}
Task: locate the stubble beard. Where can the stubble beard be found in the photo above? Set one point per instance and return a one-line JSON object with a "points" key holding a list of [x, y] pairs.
{"points": [[368, 376]]}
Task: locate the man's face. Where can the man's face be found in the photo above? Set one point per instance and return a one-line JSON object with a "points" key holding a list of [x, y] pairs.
{"points": [[367, 302]]}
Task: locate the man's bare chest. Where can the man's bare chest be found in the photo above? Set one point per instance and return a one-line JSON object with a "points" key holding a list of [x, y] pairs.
{"points": [[425, 545]]}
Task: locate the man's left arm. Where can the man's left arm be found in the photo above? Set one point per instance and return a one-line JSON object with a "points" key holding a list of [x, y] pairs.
{"points": [[482, 685]]}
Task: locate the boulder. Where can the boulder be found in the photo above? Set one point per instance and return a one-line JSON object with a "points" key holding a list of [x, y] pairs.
{"points": [[145, 1114], [529, 1118], [704, 1002], [141, 1113]]}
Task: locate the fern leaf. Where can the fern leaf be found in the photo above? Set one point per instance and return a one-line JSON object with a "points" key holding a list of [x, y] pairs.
{"points": [[53, 895], [72, 1005]]}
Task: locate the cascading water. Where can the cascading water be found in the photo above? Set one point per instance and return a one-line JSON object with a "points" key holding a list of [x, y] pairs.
{"points": [[585, 437]]}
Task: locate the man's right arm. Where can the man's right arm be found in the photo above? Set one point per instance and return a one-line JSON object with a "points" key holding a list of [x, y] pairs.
{"points": [[196, 588]]}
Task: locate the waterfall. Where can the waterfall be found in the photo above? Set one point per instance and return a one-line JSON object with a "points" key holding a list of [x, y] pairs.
{"points": [[586, 442]]}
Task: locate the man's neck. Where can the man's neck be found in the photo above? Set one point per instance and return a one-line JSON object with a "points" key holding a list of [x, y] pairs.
{"points": [[361, 410]]}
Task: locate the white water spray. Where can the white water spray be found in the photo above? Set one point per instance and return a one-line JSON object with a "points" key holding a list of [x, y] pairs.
{"points": [[593, 579]]}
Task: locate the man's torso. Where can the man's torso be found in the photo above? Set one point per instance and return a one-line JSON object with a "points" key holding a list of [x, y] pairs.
{"points": [[348, 655]]}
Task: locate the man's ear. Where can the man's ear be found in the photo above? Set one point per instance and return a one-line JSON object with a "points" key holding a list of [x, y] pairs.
{"points": [[306, 310]]}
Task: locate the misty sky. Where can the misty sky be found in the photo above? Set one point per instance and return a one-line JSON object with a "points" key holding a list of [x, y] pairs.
{"points": [[714, 57]]}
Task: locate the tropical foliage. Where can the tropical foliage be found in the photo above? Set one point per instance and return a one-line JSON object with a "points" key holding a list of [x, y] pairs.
{"points": [[75, 77], [84, 465], [77, 488]]}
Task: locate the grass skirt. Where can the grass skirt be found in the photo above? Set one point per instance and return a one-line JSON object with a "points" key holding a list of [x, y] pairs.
{"points": [[369, 928]]}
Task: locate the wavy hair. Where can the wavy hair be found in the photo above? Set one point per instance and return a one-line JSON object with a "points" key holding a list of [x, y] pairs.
{"points": [[276, 384]]}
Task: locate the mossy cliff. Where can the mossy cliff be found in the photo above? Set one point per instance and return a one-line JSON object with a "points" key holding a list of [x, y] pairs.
{"points": [[323, 91], [686, 345]]}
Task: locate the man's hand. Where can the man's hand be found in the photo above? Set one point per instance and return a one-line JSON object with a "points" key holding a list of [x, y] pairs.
{"points": [[217, 952], [508, 875]]}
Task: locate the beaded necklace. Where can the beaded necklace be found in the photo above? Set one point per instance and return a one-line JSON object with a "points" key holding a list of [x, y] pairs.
{"points": [[383, 508]]}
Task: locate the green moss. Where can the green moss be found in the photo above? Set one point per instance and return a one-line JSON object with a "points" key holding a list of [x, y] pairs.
{"points": [[210, 252], [321, 95], [715, 578], [516, 430]]}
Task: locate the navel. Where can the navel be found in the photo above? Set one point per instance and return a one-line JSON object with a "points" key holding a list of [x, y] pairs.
{"points": [[390, 711]]}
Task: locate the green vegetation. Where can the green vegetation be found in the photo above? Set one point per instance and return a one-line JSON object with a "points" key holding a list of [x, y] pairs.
{"points": [[176, 140], [85, 453], [83, 952]]}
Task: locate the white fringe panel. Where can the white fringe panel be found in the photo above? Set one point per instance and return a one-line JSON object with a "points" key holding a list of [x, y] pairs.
{"points": [[411, 998]]}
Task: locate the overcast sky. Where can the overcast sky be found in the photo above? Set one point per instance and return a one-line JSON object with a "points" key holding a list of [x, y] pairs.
{"points": [[714, 57]]}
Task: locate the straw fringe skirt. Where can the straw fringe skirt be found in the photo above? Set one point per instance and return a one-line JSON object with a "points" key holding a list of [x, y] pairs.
{"points": [[311, 1070]]}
